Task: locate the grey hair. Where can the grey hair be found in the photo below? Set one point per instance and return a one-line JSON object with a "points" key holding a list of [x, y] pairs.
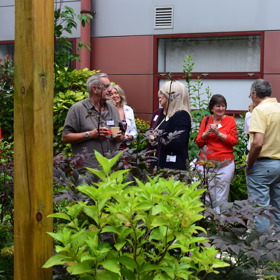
{"points": [[262, 88], [94, 80], [120, 91]]}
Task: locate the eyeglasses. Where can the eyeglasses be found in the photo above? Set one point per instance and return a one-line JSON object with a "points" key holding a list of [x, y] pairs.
{"points": [[104, 86]]}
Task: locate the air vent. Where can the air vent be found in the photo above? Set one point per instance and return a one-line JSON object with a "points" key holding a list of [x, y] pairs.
{"points": [[163, 17]]}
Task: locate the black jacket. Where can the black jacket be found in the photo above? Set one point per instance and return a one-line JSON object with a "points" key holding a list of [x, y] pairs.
{"points": [[178, 147]]}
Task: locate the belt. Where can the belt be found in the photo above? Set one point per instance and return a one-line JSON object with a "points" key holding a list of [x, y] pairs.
{"points": [[267, 158]]}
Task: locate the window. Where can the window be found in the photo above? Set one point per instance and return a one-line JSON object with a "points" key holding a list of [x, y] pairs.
{"points": [[211, 54], [9, 49], [6, 49], [227, 63]]}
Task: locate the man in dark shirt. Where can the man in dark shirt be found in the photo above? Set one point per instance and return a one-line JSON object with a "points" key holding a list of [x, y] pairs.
{"points": [[88, 122]]}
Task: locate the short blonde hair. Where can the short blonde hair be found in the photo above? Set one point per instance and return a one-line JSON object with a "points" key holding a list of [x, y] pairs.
{"points": [[178, 97], [121, 93]]}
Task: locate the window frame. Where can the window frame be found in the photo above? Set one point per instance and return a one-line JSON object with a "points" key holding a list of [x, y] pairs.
{"points": [[204, 75]]}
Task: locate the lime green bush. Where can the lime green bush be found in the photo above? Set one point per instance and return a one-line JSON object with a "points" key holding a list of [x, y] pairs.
{"points": [[121, 231]]}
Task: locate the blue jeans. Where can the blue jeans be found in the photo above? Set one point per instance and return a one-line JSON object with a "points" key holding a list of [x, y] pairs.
{"points": [[264, 184]]}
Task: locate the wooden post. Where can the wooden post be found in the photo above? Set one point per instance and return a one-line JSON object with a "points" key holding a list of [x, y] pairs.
{"points": [[33, 130]]}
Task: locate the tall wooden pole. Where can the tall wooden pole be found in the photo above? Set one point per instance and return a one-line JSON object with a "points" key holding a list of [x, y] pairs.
{"points": [[33, 130]]}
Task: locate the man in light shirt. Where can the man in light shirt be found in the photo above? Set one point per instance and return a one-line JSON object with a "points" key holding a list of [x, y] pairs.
{"points": [[263, 163]]}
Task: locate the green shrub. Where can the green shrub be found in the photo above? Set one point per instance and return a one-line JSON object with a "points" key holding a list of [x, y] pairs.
{"points": [[6, 183], [7, 97], [128, 232]]}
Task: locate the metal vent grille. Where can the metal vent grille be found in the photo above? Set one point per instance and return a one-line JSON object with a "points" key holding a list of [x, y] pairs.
{"points": [[163, 17]]}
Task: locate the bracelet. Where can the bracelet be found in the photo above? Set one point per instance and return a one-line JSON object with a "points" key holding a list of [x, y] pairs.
{"points": [[249, 167]]}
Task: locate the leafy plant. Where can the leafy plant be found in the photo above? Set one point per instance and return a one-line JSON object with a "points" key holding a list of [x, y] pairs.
{"points": [[6, 209], [199, 103], [6, 182], [141, 141], [249, 254], [7, 97], [238, 190], [146, 231], [65, 22]]}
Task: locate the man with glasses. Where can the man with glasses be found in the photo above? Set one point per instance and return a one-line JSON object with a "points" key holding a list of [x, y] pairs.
{"points": [[263, 163], [88, 122]]}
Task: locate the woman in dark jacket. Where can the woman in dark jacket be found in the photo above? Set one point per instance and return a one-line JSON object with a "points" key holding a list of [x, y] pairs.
{"points": [[172, 133]]}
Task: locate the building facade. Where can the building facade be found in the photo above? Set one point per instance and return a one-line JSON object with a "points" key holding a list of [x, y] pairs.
{"points": [[138, 42]]}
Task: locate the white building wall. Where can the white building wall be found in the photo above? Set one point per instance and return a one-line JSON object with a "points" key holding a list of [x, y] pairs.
{"points": [[7, 18], [136, 17]]}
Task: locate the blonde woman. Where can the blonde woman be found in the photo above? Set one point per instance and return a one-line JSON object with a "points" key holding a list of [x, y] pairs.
{"points": [[126, 113], [174, 129]]}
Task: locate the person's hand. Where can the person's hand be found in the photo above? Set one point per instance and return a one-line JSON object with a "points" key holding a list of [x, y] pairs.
{"points": [[119, 137], [151, 138], [128, 137], [213, 128], [102, 132], [248, 171]]}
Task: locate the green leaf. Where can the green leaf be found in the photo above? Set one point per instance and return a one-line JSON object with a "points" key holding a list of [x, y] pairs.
{"points": [[118, 173], [60, 216], [91, 211], [119, 245], [100, 174], [106, 164], [111, 265], [106, 275], [162, 276], [80, 268], [58, 259], [128, 262]]}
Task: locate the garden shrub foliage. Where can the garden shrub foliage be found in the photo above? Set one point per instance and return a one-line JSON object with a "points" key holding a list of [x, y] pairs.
{"points": [[7, 97], [143, 231]]}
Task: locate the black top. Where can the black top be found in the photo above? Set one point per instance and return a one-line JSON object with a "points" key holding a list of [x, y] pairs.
{"points": [[174, 154]]}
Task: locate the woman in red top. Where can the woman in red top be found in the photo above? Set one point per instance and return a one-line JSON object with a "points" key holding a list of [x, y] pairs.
{"points": [[216, 137]]}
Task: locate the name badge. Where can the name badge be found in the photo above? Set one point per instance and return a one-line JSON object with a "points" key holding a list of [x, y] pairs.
{"points": [[170, 158], [219, 125], [155, 118], [110, 122]]}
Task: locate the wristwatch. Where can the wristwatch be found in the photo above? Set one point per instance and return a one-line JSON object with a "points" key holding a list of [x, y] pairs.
{"points": [[87, 134]]}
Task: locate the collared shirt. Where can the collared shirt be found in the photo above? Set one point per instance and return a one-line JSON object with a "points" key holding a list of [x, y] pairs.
{"points": [[83, 117], [265, 119]]}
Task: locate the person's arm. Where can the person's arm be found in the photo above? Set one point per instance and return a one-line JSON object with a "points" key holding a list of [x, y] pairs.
{"points": [[132, 130], [255, 150], [231, 137], [202, 134], [73, 138]]}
